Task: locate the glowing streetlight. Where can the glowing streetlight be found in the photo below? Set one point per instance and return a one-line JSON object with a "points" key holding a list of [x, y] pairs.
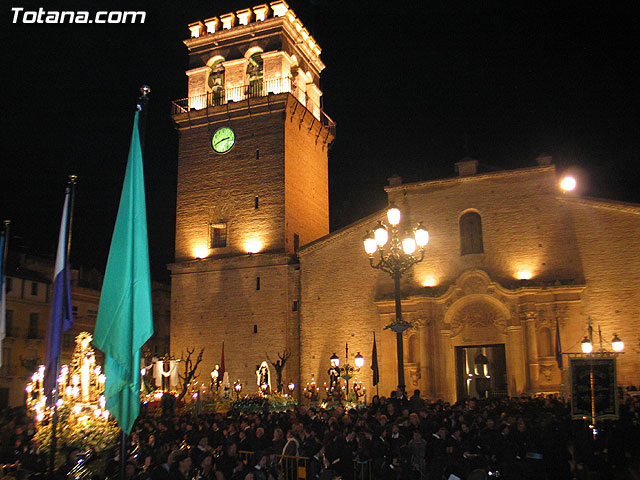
{"points": [[396, 256], [568, 183]]}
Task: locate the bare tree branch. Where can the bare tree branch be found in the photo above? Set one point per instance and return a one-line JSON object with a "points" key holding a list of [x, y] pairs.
{"points": [[190, 369]]}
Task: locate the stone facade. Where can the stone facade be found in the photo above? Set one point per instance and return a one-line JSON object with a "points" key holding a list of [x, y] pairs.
{"points": [[546, 260], [548, 257]]}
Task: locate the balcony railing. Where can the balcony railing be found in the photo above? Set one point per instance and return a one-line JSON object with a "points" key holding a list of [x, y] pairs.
{"points": [[256, 89]]}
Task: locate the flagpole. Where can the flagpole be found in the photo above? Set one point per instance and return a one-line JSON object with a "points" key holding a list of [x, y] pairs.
{"points": [[3, 293], [141, 106], [7, 227], [377, 367], [5, 251], [54, 394]]}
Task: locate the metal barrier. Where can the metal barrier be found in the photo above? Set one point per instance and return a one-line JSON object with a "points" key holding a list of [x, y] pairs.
{"points": [[285, 466], [291, 468], [363, 470], [297, 468], [245, 456]]}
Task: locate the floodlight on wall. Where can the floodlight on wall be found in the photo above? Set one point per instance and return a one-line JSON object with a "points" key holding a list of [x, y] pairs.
{"points": [[568, 184]]}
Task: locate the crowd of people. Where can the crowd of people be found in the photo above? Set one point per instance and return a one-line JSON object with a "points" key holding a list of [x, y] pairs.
{"points": [[397, 437]]}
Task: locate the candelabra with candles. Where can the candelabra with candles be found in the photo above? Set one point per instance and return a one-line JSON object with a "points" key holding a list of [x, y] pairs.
{"points": [[264, 389], [81, 405], [237, 388], [328, 391], [80, 384], [311, 390], [359, 390]]}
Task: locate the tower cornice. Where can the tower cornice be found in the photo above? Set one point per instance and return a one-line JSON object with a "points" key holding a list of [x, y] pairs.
{"points": [[304, 44]]}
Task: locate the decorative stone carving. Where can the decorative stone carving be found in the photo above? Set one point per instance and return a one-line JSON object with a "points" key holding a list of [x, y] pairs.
{"points": [[527, 313], [547, 372], [478, 315], [545, 322], [415, 375], [474, 284], [412, 330], [420, 322]]}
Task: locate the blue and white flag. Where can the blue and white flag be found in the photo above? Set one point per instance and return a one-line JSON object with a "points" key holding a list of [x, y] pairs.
{"points": [[61, 317]]}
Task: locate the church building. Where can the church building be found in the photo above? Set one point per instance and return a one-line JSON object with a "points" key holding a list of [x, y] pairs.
{"points": [[513, 269]]}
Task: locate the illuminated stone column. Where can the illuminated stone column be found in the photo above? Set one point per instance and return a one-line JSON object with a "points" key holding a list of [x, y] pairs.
{"points": [[516, 360], [277, 72], [314, 94], [447, 374], [234, 73], [424, 357], [197, 90], [532, 349]]}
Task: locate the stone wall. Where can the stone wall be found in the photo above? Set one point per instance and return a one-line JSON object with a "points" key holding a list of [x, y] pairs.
{"points": [[306, 176], [213, 187], [220, 300], [608, 241], [552, 256]]}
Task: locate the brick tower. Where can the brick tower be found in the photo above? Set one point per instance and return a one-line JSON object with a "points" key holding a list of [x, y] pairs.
{"points": [[252, 188]]}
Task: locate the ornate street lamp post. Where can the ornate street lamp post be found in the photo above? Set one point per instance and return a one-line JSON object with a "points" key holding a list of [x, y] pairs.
{"points": [[347, 371], [586, 345], [396, 256]]}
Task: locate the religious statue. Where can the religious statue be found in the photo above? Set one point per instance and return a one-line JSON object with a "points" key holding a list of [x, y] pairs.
{"points": [[82, 368], [215, 378], [226, 386], [166, 373], [334, 377], [279, 367], [263, 378]]}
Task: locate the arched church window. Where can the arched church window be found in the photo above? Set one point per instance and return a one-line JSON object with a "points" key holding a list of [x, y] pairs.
{"points": [[255, 74], [215, 82], [545, 347], [471, 233]]}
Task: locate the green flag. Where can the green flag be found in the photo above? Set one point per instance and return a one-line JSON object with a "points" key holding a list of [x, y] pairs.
{"points": [[125, 320]]}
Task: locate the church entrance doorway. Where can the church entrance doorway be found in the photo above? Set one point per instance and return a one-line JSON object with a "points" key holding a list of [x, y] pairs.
{"points": [[481, 371]]}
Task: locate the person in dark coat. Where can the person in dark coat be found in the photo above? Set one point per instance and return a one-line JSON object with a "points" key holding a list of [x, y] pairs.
{"points": [[182, 467], [416, 403]]}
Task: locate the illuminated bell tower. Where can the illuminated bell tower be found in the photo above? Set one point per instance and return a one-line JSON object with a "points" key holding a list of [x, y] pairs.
{"points": [[252, 187]]}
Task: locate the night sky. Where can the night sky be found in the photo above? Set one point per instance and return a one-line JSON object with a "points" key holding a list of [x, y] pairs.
{"points": [[412, 88]]}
